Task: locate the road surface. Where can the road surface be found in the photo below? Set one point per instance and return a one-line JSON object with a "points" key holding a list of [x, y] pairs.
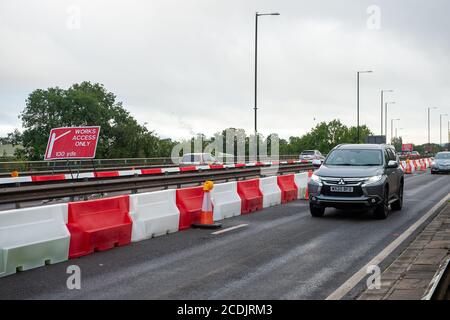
{"points": [[279, 253]]}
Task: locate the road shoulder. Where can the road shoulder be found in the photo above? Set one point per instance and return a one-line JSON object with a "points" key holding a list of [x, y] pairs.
{"points": [[411, 273]]}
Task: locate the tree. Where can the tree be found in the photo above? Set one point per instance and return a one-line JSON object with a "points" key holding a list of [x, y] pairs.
{"points": [[85, 104], [397, 143], [326, 136]]}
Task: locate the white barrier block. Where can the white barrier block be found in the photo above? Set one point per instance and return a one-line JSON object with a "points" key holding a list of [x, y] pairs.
{"points": [[230, 165], [80, 175], [226, 200], [301, 180], [15, 180], [129, 172], [170, 169], [33, 237], [403, 165], [271, 191], [203, 168], [153, 214]]}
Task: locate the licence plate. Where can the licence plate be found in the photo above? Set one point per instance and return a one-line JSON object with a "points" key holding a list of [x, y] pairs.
{"points": [[341, 189]]}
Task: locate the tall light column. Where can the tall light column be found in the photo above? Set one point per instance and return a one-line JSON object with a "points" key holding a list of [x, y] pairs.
{"points": [[382, 105], [357, 100]]}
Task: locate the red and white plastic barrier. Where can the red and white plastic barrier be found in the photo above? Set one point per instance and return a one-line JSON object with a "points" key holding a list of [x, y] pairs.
{"points": [[226, 201], [33, 237], [132, 172], [153, 214], [251, 195], [97, 225], [271, 191]]}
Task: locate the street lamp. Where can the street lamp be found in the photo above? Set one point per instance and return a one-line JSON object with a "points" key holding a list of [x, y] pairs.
{"points": [[357, 99], [386, 104], [440, 127], [256, 60], [429, 123], [396, 134], [382, 104], [392, 128]]}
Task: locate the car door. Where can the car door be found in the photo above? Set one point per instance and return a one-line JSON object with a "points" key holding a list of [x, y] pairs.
{"points": [[399, 171], [391, 172]]}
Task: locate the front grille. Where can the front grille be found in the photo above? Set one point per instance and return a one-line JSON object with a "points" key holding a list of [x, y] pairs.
{"points": [[357, 192]]}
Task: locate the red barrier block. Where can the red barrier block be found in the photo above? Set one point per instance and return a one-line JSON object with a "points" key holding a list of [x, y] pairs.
{"points": [[291, 161], [189, 202], [188, 168], [289, 190], [251, 195], [216, 166], [151, 171], [239, 165], [106, 174], [97, 225], [48, 178]]}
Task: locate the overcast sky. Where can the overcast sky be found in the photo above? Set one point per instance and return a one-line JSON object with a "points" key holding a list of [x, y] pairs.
{"points": [[186, 66]]}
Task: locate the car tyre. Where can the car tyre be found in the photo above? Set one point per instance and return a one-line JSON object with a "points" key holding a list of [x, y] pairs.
{"points": [[397, 205], [382, 210], [316, 211]]}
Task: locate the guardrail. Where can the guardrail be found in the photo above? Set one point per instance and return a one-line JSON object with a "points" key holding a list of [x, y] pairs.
{"points": [[65, 166], [83, 187]]}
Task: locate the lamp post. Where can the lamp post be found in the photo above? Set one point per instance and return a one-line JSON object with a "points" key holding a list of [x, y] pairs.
{"points": [[429, 108], [357, 100], [440, 127], [386, 104], [382, 104], [396, 134], [392, 128], [256, 61]]}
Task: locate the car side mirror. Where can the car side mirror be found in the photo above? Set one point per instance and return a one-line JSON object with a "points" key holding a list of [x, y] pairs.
{"points": [[392, 164], [317, 163]]}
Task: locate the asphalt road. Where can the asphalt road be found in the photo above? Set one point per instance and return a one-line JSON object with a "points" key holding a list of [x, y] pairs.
{"points": [[283, 253]]}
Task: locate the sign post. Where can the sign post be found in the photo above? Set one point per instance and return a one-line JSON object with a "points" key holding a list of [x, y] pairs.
{"points": [[72, 143]]}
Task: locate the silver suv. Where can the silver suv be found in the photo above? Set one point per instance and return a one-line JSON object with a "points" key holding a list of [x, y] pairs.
{"points": [[358, 176], [311, 155], [441, 163]]}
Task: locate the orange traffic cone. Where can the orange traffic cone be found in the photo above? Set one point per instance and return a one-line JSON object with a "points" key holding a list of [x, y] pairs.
{"points": [[14, 173], [310, 173], [206, 215]]}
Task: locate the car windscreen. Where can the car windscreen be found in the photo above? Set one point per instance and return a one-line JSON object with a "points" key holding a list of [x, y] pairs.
{"points": [[308, 152], [208, 158], [442, 156], [190, 158], [348, 157]]}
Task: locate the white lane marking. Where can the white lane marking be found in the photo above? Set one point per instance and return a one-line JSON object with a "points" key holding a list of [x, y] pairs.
{"points": [[230, 228], [348, 285]]}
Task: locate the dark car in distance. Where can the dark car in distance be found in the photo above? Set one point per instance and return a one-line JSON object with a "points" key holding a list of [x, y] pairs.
{"points": [[358, 176]]}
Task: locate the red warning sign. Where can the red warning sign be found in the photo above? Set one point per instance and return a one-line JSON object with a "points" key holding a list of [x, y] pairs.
{"points": [[72, 143]]}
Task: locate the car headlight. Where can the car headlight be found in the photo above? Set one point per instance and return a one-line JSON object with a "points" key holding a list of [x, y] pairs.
{"points": [[373, 179], [316, 178]]}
